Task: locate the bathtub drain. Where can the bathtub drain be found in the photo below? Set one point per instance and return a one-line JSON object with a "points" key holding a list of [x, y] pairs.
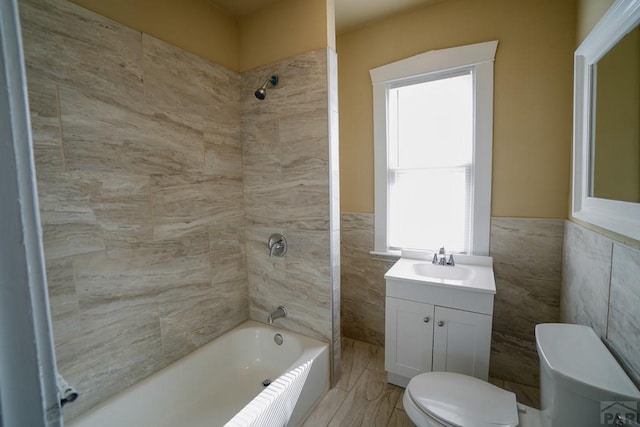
{"points": [[266, 382], [278, 339]]}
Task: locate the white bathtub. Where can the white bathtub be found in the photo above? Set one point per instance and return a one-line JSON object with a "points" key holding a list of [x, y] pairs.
{"points": [[209, 386]]}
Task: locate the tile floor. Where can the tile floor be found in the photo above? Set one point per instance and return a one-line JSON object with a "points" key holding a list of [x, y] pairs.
{"points": [[362, 396]]}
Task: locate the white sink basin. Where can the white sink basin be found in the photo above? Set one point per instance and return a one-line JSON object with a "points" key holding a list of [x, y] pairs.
{"points": [[470, 272], [446, 272]]}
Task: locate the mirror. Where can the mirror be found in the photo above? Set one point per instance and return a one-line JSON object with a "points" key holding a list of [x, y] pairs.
{"points": [[615, 135], [606, 172]]}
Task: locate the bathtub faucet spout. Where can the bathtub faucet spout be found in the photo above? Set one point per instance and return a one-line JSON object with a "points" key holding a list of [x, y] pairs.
{"points": [[278, 313]]}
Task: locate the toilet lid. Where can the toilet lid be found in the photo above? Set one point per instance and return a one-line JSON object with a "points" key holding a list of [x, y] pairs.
{"points": [[463, 401]]}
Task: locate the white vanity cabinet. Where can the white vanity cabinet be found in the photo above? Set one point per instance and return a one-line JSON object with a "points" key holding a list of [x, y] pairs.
{"points": [[443, 326]]}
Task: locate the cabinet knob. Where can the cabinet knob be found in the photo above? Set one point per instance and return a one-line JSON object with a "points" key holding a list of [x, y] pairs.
{"points": [[426, 319], [441, 323]]}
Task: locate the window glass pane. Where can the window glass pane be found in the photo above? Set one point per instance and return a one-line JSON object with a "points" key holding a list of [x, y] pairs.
{"points": [[431, 123], [430, 209]]}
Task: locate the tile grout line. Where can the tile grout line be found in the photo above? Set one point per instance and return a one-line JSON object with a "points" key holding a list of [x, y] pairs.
{"points": [[337, 410], [349, 390], [61, 133]]}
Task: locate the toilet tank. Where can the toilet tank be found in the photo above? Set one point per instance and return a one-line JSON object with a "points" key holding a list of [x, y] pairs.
{"points": [[581, 384]]}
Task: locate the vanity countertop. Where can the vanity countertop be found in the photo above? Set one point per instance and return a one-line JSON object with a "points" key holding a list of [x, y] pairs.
{"points": [[473, 273]]}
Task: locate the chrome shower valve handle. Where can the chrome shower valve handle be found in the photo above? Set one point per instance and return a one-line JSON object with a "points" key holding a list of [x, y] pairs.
{"points": [[277, 245]]}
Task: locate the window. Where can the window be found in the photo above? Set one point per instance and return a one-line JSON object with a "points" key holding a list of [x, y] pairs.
{"points": [[430, 149], [433, 118]]}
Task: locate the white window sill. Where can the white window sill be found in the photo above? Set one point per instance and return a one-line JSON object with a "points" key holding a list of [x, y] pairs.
{"points": [[385, 256]]}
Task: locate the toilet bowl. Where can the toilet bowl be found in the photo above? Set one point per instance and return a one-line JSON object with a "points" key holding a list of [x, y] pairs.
{"points": [[578, 375]]}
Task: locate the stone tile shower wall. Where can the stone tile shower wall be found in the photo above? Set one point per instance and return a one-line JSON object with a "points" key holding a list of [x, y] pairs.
{"points": [[527, 256], [601, 289], [139, 171], [287, 190]]}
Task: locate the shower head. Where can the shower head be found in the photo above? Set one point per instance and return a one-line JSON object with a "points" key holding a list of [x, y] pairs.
{"points": [[261, 93]]}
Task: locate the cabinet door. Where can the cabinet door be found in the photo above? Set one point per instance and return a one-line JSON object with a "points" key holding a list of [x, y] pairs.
{"points": [[461, 342], [409, 337]]}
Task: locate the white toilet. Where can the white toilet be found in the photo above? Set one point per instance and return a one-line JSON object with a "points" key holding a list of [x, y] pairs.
{"points": [[579, 378]]}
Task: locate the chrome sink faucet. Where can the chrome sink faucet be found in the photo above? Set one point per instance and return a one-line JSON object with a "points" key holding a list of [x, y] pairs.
{"points": [[440, 258], [278, 313]]}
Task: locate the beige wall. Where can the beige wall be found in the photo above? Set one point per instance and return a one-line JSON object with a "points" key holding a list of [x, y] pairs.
{"points": [[533, 95], [274, 32], [193, 25], [283, 30]]}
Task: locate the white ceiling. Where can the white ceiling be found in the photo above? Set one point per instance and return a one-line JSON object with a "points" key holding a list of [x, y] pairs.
{"points": [[349, 13]]}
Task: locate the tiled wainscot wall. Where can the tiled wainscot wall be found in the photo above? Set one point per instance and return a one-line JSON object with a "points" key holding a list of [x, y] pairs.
{"points": [[143, 186], [527, 256], [601, 289]]}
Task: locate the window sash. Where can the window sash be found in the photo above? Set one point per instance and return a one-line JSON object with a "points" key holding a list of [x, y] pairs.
{"points": [[430, 208], [430, 145], [423, 133]]}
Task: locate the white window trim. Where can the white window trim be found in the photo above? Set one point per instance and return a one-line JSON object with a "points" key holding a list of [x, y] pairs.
{"points": [[478, 57]]}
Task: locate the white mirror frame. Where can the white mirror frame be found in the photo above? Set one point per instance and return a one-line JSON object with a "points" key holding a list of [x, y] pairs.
{"points": [[617, 216]]}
